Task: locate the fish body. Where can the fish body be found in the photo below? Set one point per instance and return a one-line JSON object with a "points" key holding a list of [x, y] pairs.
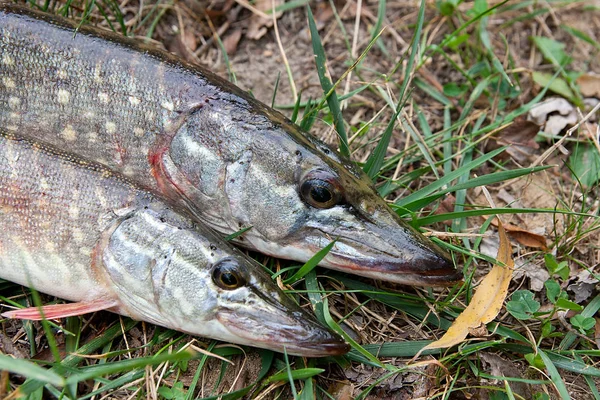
{"points": [[205, 144], [74, 229]]}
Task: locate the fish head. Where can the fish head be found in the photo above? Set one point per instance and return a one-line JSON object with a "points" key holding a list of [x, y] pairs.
{"points": [[340, 204], [172, 272], [254, 169]]}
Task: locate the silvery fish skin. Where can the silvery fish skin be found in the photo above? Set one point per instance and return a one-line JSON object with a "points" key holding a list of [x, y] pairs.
{"points": [[76, 230], [206, 144]]}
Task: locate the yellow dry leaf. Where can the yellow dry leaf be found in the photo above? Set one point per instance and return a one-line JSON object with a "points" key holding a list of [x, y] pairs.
{"points": [[487, 300]]}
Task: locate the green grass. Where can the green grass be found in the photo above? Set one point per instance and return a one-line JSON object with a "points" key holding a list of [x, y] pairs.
{"points": [[447, 127]]}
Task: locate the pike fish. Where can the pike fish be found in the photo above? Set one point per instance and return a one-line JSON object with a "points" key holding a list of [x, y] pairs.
{"points": [[205, 144], [76, 230]]}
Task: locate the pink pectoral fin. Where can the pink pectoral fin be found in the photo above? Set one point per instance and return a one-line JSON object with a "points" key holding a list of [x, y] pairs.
{"points": [[55, 311]]}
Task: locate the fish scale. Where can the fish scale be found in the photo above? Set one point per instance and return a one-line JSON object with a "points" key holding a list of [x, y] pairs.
{"points": [[208, 146], [77, 230]]}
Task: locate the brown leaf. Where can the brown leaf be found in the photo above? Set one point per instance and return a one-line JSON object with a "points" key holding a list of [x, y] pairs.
{"points": [[487, 300], [523, 236], [260, 21], [231, 41], [341, 390], [520, 136], [589, 85], [323, 14]]}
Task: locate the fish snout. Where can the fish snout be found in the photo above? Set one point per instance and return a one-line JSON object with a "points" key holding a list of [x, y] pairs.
{"points": [[393, 252], [283, 328]]}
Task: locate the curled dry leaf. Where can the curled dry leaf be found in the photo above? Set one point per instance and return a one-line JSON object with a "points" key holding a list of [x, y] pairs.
{"points": [[523, 236], [487, 300], [555, 114]]}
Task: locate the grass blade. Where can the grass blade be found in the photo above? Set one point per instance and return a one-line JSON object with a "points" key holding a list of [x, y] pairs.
{"points": [[30, 370], [332, 100], [310, 264]]}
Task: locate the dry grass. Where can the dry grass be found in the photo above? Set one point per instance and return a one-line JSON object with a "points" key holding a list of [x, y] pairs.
{"points": [[439, 112]]}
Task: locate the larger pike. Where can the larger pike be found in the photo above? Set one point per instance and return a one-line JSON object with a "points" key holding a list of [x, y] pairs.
{"points": [[206, 144], [76, 230]]}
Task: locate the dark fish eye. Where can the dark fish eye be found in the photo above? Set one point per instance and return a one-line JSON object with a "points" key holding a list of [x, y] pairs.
{"points": [[227, 275], [320, 192]]}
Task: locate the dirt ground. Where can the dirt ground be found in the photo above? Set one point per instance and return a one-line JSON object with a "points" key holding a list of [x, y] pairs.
{"points": [[254, 55]]}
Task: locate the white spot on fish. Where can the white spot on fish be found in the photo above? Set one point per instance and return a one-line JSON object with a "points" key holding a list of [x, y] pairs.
{"points": [[14, 115], [85, 251], [69, 133], [12, 128], [44, 185], [103, 97], [74, 212], [89, 114], [150, 116], [97, 73], [92, 137], [77, 234], [7, 60], [63, 96], [14, 102], [138, 132], [9, 83], [111, 127], [168, 105], [50, 247], [62, 74], [134, 100]]}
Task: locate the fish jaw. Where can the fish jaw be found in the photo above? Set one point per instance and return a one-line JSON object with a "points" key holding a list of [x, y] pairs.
{"points": [[281, 325], [395, 252], [391, 251]]}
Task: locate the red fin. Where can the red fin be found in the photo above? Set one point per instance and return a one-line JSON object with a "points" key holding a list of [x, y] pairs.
{"points": [[55, 311]]}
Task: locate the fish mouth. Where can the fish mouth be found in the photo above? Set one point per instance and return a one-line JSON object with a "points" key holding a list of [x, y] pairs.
{"points": [[417, 266], [398, 254], [284, 327]]}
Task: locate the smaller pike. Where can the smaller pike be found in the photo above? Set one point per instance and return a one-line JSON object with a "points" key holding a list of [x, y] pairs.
{"points": [[76, 230]]}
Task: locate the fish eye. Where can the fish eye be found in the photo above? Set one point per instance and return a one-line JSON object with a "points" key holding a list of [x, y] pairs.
{"points": [[321, 190], [227, 275]]}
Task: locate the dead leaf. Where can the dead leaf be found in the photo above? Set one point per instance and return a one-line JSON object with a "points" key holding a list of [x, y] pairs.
{"points": [[259, 21], [589, 85], [231, 41], [584, 286], [523, 236], [555, 114], [446, 206], [536, 274], [341, 390], [323, 14], [497, 366], [520, 136], [487, 300]]}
